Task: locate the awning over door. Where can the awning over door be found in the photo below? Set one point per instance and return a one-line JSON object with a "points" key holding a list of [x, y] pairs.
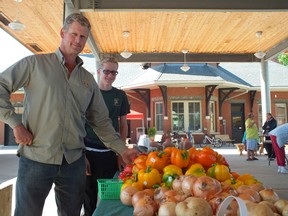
{"points": [[133, 115]]}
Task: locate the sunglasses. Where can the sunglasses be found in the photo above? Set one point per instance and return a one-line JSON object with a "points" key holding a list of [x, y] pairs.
{"points": [[107, 72]]}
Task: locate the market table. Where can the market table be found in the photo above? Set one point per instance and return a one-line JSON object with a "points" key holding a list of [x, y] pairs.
{"points": [[112, 207]]}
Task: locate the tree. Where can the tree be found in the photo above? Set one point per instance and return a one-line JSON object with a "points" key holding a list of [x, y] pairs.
{"points": [[283, 59]]}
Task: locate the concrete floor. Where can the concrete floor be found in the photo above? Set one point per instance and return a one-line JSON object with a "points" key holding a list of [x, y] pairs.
{"points": [[260, 169]]}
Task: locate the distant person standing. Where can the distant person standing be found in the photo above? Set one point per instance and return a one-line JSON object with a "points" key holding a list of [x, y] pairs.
{"points": [[268, 126], [251, 137], [279, 137], [103, 162]]}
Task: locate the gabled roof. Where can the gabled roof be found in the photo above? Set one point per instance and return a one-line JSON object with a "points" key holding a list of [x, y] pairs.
{"points": [[172, 75], [251, 73], [242, 75]]}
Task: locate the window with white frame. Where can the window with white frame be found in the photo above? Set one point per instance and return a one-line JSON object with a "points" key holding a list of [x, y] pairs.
{"points": [[186, 116], [281, 113], [159, 116]]}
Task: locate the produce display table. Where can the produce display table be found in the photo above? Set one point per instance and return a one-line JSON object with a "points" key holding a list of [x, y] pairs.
{"points": [[112, 207]]}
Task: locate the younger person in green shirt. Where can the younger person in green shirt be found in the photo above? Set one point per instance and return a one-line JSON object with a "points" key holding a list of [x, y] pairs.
{"points": [[251, 137]]}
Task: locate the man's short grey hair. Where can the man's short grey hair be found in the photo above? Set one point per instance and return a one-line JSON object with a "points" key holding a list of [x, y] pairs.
{"points": [[76, 17], [108, 60]]}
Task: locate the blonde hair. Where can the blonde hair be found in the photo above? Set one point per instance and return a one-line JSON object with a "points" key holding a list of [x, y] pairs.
{"points": [[108, 60]]}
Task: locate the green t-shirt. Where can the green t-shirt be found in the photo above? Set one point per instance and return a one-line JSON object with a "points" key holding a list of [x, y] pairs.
{"points": [[251, 132], [117, 103]]}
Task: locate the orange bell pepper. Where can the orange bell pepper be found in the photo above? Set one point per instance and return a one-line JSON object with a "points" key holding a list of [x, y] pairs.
{"points": [[157, 160], [180, 158], [140, 161], [247, 179]]}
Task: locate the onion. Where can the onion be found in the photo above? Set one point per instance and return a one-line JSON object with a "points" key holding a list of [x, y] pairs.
{"points": [[138, 196], [177, 183], [246, 196], [172, 195], [269, 195], [159, 194], [187, 184], [253, 193], [228, 189], [257, 187], [167, 209], [145, 207], [205, 187], [126, 195], [241, 188], [280, 204], [149, 192], [217, 200]]}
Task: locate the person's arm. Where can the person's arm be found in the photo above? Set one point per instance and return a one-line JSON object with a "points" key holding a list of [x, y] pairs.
{"points": [[250, 123], [273, 124], [123, 128], [265, 125], [12, 79]]}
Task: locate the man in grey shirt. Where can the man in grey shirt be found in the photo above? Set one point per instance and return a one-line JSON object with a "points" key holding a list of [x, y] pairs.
{"points": [[59, 96]]}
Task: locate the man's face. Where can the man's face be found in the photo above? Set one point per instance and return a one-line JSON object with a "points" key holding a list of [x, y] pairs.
{"points": [[108, 73], [74, 39]]}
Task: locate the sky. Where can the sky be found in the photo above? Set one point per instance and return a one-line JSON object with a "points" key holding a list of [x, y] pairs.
{"points": [[11, 50]]}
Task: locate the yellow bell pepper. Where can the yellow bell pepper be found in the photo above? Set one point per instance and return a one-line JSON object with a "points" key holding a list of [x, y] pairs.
{"points": [[149, 177], [235, 183], [131, 182], [196, 170], [219, 172], [171, 172]]}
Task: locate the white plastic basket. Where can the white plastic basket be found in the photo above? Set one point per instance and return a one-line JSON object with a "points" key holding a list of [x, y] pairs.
{"points": [[223, 206]]}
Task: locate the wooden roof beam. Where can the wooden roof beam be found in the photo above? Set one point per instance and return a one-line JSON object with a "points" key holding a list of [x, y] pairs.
{"points": [[191, 57], [184, 5]]}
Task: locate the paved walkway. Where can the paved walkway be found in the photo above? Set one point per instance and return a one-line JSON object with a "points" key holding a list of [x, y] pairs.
{"points": [[260, 169]]}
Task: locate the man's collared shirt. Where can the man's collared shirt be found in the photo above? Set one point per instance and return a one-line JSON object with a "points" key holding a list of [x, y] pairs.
{"points": [[55, 107]]}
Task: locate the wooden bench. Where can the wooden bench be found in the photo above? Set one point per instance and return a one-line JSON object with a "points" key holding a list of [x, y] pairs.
{"points": [[225, 138]]}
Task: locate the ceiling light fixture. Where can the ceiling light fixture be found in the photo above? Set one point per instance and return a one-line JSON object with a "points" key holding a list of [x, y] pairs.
{"points": [[126, 54], [16, 25], [260, 54], [185, 67]]}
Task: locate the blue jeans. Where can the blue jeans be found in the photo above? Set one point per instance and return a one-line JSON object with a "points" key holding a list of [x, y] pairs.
{"points": [[35, 180]]}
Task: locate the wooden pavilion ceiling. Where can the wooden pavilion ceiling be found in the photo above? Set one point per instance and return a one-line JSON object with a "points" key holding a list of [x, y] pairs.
{"points": [[212, 30]]}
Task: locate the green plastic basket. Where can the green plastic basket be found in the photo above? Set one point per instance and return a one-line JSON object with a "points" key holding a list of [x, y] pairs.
{"points": [[109, 188]]}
